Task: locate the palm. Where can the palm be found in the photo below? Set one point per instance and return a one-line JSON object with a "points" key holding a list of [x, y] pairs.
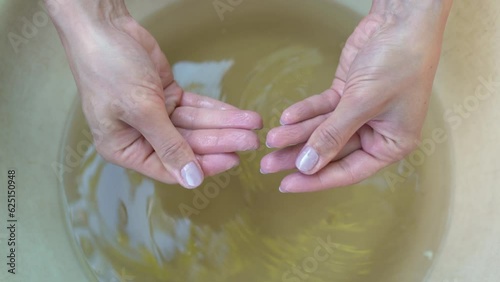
{"points": [[142, 102], [370, 117], [372, 63]]}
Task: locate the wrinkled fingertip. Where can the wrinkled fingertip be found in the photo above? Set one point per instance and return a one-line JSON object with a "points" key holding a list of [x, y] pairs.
{"points": [[265, 165], [271, 138], [255, 120], [252, 142], [235, 163], [256, 142], [286, 118], [289, 184], [260, 124]]}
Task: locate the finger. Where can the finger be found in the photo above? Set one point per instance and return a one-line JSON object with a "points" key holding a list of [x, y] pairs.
{"points": [[328, 100], [284, 159], [310, 107], [348, 171], [198, 101], [214, 141], [211, 165], [332, 135], [196, 118], [151, 119], [217, 163], [288, 135]]}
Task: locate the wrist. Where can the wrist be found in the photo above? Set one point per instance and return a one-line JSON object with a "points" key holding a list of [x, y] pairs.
{"points": [[69, 15], [419, 21], [433, 11]]}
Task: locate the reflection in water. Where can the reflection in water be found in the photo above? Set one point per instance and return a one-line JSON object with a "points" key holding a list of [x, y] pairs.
{"points": [[123, 220], [205, 77]]}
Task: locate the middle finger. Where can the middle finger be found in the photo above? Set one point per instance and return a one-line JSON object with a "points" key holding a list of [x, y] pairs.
{"points": [[215, 141], [198, 118]]}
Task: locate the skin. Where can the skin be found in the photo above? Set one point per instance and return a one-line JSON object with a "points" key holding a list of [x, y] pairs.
{"points": [[369, 118], [139, 116], [373, 113]]}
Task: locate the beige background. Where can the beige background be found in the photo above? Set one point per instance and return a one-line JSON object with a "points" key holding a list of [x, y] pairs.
{"points": [[35, 87]]}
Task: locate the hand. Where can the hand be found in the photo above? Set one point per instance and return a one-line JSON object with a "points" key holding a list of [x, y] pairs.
{"points": [[373, 113], [140, 118]]}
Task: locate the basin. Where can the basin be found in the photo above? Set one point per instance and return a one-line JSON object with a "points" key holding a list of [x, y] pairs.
{"points": [[440, 223]]}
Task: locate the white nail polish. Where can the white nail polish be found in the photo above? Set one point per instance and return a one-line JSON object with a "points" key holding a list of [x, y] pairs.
{"points": [[307, 159], [192, 175]]}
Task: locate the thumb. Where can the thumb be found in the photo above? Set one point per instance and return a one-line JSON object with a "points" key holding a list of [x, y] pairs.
{"points": [[331, 136], [173, 150]]}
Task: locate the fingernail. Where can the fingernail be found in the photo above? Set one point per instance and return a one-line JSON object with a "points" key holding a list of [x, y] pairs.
{"points": [[192, 175], [307, 159], [283, 190], [262, 171], [267, 145], [282, 122]]}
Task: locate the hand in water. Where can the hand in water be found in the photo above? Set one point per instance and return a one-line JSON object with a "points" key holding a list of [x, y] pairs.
{"points": [[373, 113], [140, 118]]}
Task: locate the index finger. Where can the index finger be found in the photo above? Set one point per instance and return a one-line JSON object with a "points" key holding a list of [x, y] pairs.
{"points": [[350, 170], [190, 99]]}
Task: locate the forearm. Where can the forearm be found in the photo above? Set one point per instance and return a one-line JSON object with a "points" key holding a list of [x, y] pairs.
{"points": [[80, 23]]}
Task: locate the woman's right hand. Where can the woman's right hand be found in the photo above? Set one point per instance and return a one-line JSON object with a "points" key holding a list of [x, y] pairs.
{"points": [[139, 116]]}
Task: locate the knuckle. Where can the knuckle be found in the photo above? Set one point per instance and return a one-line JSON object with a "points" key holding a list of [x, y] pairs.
{"points": [[350, 175], [172, 151], [188, 135], [405, 147], [184, 117], [329, 97], [140, 103], [141, 109], [330, 136]]}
